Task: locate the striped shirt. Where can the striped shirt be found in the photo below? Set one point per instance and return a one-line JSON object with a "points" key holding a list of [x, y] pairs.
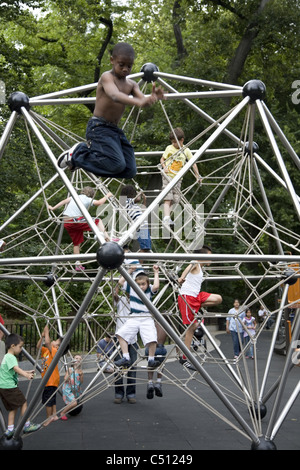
{"points": [[136, 304], [134, 211]]}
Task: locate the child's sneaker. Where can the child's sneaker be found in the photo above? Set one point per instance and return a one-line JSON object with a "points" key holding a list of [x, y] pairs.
{"points": [[152, 364], [8, 434], [150, 391], [186, 364], [122, 362], [79, 267], [158, 389], [65, 158], [31, 428]]}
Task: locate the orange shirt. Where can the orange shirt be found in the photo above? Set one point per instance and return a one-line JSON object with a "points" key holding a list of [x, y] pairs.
{"points": [[47, 358]]}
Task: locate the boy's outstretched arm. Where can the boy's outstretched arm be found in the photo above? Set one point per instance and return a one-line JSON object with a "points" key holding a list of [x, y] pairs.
{"points": [[155, 286]]}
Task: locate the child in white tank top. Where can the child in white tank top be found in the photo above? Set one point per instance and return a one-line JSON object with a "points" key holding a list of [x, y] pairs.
{"points": [[191, 298]]}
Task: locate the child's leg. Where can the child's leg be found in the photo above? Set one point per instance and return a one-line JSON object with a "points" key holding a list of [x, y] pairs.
{"points": [[213, 299], [189, 334], [105, 154], [123, 345], [76, 249], [11, 417], [152, 349]]}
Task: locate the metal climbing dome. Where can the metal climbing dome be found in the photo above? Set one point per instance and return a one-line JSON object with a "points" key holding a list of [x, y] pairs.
{"points": [[204, 213]]}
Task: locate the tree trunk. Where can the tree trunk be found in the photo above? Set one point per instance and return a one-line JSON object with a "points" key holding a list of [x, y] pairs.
{"points": [[237, 62], [177, 19]]}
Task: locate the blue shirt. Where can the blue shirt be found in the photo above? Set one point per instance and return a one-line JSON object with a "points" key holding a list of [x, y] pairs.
{"points": [[234, 322]]}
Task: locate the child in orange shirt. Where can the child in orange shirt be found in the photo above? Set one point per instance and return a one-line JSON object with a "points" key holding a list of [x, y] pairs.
{"points": [[49, 395]]}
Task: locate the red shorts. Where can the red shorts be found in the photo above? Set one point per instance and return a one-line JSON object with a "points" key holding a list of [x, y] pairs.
{"points": [[76, 229], [189, 306]]}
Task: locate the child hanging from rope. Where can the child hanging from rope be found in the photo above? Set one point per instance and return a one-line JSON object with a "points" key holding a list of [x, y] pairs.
{"points": [[71, 388], [172, 162], [191, 299], [75, 223], [107, 151]]}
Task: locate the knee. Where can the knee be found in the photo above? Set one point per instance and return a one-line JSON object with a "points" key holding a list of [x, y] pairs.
{"points": [[130, 173], [219, 299]]}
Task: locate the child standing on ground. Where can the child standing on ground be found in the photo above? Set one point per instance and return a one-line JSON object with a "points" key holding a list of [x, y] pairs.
{"points": [[75, 223], [47, 353], [11, 395], [172, 161], [107, 151], [250, 323], [191, 298], [139, 320]]}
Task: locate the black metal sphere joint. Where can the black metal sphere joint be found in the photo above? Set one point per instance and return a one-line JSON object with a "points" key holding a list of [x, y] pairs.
{"points": [[110, 255], [149, 70], [263, 444], [249, 150], [11, 443], [18, 100], [255, 89], [289, 277]]}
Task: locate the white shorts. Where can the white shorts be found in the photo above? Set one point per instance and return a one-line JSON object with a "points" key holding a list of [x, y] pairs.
{"points": [[141, 323]]}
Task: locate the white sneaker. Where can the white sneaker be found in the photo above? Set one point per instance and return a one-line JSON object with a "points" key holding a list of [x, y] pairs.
{"points": [[65, 158], [2, 245]]}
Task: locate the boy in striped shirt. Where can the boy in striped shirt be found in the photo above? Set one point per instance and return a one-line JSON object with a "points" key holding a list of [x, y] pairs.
{"points": [[139, 320]]}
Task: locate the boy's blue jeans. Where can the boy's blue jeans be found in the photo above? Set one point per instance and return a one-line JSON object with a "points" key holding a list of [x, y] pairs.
{"points": [[107, 153]]}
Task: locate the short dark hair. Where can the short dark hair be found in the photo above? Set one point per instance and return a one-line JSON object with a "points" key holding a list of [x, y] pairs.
{"points": [[204, 249], [143, 276], [123, 48], [13, 338], [178, 132], [129, 191]]}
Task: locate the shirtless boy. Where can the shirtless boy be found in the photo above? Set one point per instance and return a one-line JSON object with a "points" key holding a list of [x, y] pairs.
{"points": [[107, 151]]}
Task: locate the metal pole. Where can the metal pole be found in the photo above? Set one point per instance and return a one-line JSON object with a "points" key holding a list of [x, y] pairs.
{"points": [[282, 137], [65, 179], [184, 170], [169, 330], [197, 81], [248, 258], [79, 89], [28, 202], [285, 411], [213, 342], [279, 158], [7, 131], [227, 133], [204, 94], [283, 380], [274, 336], [65, 342], [267, 206]]}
